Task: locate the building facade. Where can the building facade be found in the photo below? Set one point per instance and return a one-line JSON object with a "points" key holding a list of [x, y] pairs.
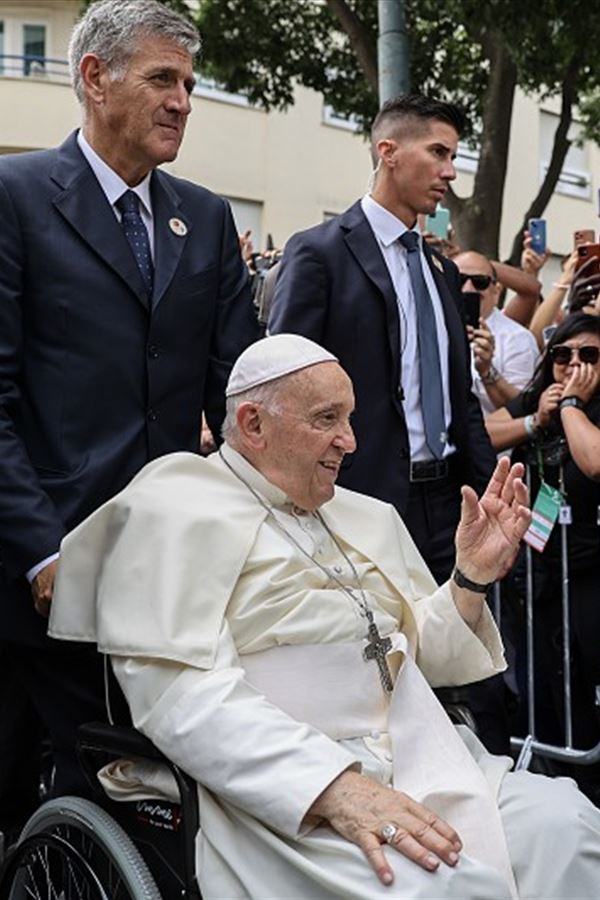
{"points": [[281, 171]]}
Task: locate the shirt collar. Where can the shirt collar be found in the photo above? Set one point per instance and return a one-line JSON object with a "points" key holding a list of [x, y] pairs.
{"points": [[268, 491], [386, 226], [111, 183]]}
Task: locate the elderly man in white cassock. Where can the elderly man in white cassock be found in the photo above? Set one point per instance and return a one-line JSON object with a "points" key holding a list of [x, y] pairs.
{"points": [[277, 637]]}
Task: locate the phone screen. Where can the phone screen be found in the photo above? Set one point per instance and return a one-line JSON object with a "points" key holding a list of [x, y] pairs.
{"points": [[472, 301]]}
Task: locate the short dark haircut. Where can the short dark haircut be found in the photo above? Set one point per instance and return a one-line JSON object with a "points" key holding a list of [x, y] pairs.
{"points": [[408, 114]]}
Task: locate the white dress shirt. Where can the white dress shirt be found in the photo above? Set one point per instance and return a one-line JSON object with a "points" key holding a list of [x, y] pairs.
{"points": [[114, 187], [515, 356], [387, 228]]}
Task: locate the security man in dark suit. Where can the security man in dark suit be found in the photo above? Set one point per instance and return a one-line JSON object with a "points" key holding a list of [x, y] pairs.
{"points": [[123, 304], [366, 287]]}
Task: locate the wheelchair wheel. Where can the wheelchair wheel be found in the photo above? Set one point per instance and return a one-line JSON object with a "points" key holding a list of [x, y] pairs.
{"points": [[71, 849]]}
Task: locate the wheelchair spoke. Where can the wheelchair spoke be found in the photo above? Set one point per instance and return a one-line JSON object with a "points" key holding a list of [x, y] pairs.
{"points": [[72, 850]]}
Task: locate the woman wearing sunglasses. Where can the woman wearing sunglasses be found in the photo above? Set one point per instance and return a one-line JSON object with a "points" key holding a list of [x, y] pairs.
{"points": [[554, 424]]}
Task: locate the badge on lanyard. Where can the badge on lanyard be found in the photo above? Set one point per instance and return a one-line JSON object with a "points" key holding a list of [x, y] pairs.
{"points": [[544, 513]]}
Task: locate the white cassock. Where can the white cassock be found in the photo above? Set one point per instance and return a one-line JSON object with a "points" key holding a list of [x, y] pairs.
{"points": [[242, 660]]}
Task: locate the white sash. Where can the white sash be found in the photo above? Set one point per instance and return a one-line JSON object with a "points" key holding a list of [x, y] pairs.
{"points": [[330, 687]]}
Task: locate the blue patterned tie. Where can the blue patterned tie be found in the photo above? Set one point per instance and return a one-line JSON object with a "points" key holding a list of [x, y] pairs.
{"points": [[432, 398], [133, 226]]}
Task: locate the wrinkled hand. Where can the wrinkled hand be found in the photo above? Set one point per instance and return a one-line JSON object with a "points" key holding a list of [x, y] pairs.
{"points": [[357, 807], [483, 345], [42, 587], [490, 529], [582, 383], [548, 403]]}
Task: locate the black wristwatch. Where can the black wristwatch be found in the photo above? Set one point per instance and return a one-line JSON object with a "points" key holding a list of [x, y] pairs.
{"points": [[463, 582], [571, 401]]}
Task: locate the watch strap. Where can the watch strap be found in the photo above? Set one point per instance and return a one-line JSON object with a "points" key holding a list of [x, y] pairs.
{"points": [[492, 376], [463, 582], [577, 402]]}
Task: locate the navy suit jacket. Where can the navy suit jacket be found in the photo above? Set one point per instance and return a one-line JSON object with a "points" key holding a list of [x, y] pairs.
{"points": [[334, 287], [93, 383]]}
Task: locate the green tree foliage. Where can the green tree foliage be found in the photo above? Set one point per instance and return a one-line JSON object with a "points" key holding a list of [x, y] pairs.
{"points": [[471, 52]]}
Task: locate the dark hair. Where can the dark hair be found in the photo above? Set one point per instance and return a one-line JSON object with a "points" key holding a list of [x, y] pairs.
{"points": [[578, 323], [415, 110]]}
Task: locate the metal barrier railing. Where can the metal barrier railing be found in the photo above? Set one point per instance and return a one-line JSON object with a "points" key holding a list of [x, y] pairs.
{"points": [[34, 66], [530, 745]]}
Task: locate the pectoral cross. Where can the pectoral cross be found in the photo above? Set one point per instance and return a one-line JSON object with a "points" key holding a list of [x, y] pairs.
{"points": [[377, 649]]}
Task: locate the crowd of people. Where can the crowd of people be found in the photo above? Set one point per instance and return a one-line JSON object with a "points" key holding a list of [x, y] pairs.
{"points": [[168, 496]]}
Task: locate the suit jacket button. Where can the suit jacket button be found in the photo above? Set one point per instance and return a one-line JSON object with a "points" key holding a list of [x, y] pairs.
{"points": [[403, 452], [152, 417], [153, 351]]}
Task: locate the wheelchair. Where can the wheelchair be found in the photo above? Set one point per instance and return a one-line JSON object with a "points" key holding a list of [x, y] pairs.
{"points": [[78, 849]]}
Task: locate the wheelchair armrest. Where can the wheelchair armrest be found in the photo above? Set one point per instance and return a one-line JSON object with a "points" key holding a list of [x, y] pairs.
{"points": [[96, 738], [98, 741], [117, 739]]}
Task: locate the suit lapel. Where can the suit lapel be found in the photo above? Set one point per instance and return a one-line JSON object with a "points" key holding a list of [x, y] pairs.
{"points": [[171, 233], [363, 245], [83, 204]]}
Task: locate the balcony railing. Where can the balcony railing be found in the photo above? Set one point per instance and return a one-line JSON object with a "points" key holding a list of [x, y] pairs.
{"points": [[34, 66]]}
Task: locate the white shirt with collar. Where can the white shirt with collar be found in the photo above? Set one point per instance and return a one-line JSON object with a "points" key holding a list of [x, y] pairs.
{"points": [[387, 228], [516, 354], [114, 187]]}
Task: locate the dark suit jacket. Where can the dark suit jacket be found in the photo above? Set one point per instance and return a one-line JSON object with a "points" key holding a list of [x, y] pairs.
{"points": [[334, 287], [92, 384]]}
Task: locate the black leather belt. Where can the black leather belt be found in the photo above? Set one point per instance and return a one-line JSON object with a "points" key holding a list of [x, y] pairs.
{"points": [[429, 470]]}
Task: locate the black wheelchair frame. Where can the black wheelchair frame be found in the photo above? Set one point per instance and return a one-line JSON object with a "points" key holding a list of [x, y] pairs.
{"points": [[75, 849]]}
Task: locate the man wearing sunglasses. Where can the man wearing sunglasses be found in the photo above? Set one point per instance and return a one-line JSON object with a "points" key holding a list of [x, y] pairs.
{"points": [[504, 354]]}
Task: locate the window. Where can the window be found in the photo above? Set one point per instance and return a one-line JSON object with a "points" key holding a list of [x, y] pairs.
{"points": [[575, 178], [337, 120], [213, 90], [247, 214], [34, 48], [467, 158]]}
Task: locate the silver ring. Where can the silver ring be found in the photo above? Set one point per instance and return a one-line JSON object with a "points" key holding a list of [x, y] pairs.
{"points": [[389, 832]]}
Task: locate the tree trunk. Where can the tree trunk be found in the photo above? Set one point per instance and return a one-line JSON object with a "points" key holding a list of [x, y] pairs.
{"points": [[560, 148], [360, 40], [477, 218]]}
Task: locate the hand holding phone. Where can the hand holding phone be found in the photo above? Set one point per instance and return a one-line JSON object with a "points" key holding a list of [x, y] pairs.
{"points": [[472, 302], [584, 236], [585, 254], [438, 223], [537, 233]]}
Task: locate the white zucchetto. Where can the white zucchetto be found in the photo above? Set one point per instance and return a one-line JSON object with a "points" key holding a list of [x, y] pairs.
{"points": [[271, 358]]}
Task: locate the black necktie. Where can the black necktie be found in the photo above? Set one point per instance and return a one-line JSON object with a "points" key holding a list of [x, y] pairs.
{"points": [[128, 205], [432, 398]]}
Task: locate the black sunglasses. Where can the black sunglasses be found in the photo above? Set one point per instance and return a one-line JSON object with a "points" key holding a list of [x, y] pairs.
{"points": [[479, 282], [561, 354]]}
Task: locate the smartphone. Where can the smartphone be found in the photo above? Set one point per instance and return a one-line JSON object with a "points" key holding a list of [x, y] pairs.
{"points": [[583, 236], [537, 230], [471, 301], [586, 252], [438, 223]]}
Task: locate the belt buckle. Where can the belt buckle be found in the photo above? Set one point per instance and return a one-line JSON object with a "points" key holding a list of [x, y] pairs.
{"points": [[437, 468]]}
